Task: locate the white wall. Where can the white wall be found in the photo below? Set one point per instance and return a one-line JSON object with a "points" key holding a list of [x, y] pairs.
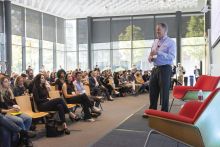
{"points": [[215, 33], [215, 67]]}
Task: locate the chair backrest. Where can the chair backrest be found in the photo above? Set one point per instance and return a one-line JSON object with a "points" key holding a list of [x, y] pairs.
{"points": [[24, 102], [207, 83], [205, 104], [87, 89], [52, 88], [54, 94], [208, 121]]}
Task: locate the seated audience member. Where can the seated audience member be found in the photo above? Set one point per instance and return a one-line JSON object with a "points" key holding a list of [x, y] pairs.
{"points": [[96, 87], [12, 79], [139, 80], [79, 87], [60, 80], [105, 81], [30, 77], [85, 78], [74, 97], [52, 78], [19, 88], [11, 133], [9, 106], [44, 103]]}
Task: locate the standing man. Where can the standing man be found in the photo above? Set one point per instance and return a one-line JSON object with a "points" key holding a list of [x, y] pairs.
{"points": [[196, 73], [162, 54], [180, 71]]}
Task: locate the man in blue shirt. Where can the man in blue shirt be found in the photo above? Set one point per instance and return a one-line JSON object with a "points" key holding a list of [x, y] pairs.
{"points": [[162, 54]]}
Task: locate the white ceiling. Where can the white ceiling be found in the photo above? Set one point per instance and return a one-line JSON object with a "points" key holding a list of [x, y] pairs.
{"points": [[70, 9]]}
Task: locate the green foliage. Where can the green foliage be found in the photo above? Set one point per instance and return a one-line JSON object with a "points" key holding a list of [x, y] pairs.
{"points": [[126, 34], [195, 27]]}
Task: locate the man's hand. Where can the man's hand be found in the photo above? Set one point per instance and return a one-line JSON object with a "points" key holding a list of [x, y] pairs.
{"points": [[153, 52], [150, 58]]}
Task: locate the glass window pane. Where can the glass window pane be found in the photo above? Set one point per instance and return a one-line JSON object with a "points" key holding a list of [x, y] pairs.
{"points": [[48, 59], [121, 32], [32, 53], [70, 35], [33, 24], [1, 18], [32, 58], [17, 17], [101, 58], [140, 58], [60, 59], [60, 30], [83, 60], [49, 27], [16, 58], [71, 63], [122, 58], [143, 31], [193, 42]]}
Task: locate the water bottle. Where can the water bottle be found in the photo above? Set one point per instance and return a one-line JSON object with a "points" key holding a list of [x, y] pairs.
{"points": [[200, 95]]}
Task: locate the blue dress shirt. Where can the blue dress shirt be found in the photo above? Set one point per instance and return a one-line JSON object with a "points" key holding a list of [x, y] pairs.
{"points": [[166, 51]]}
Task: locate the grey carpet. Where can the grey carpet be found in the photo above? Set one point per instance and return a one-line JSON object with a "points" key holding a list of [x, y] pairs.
{"points": [[133, 133]]}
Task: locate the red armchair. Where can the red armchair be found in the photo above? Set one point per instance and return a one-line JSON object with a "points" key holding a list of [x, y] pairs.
{"points": [[196, 123], [205, 83]]}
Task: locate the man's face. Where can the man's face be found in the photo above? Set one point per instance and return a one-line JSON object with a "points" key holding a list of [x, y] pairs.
{"points": [[31, 73], [160, 31], [79, 77]]}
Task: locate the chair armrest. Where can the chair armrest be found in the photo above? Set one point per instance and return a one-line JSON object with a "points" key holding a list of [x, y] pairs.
{"points": [[190, 108], [180, 91], [168, 115]]}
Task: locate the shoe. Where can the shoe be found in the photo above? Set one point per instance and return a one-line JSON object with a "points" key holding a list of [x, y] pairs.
{"points": [[76, 118], [145, 115], [66, 131], [95, 109], [90, 120], [111, 99], [27, 134], [116, 92], [27, 142], [95, 115], [31, 134]]}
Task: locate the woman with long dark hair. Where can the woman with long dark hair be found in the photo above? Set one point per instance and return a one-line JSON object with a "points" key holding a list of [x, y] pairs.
{"points": [[44, 103], [72, 97]]}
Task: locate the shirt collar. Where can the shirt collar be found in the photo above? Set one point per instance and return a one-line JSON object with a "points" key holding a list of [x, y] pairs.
{"points": [[163, 38]]}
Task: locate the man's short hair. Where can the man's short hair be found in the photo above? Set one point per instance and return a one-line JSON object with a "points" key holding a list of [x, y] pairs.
{"points": [[163, 25], [77, 73]]}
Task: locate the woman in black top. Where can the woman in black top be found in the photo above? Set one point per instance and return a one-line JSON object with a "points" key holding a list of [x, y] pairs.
{"points": [[72, 96], [19, 88], [44, 103], [52, 78], [60, 80]]}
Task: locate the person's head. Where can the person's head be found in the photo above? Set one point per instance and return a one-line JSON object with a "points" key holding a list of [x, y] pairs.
{"points": [[61, 74], [138, 73], [78, 76], [69, 78], [178, 64], [161, 30], [30, 73], [19, 81], [195, 67], [5, 82], [145, 72], [52, 75], [94, 73], [39, 80]]}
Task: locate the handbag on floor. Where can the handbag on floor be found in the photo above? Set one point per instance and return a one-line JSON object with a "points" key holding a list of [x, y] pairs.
{"points": [[52, 128]]}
